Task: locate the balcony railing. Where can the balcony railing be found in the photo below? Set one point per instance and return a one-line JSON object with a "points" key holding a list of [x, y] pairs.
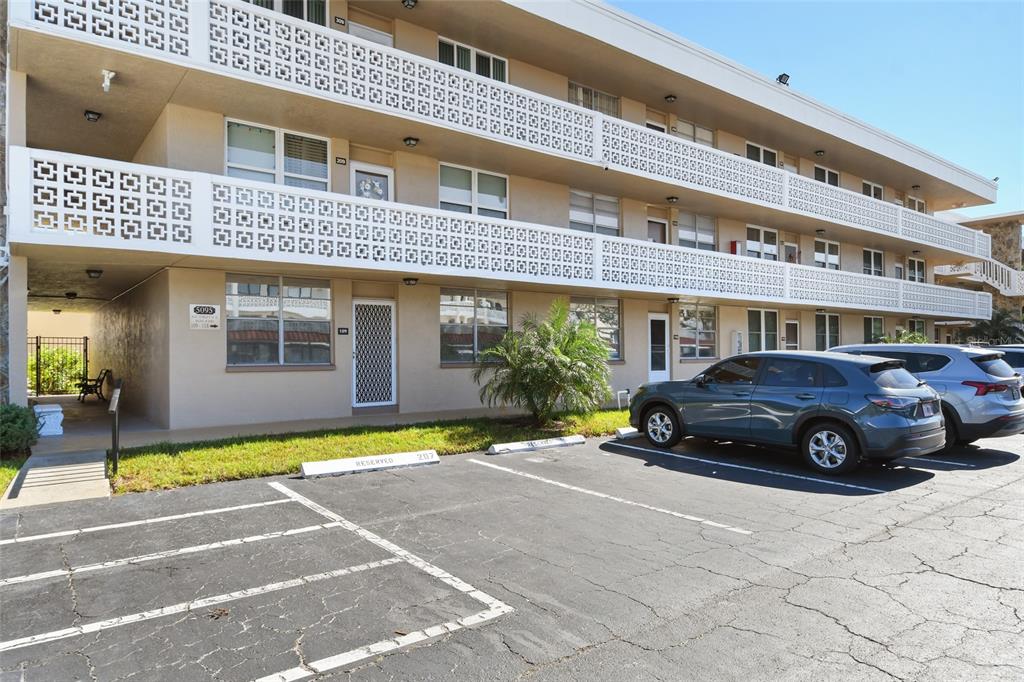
{"points": [[70, 200], [242, 40], [1002, 278]]}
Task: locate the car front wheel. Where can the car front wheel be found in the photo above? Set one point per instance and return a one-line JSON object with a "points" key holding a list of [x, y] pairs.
{"points": [[661, 426], [830, 449]]}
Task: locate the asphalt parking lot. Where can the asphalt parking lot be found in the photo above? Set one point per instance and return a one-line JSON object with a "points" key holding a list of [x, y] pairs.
{"points": [[601, 561]]}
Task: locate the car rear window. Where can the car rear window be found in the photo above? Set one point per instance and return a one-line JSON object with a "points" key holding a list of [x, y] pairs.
{"points": [[892, 375], [1014, 358], [994, 365]]}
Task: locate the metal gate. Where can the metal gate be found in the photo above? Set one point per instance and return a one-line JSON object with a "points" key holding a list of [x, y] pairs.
{"points": [[57, 363]]}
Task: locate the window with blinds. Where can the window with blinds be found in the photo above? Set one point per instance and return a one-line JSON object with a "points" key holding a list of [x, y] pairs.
{"points": [[471, 59], [591, 212], [696, 231], [583, 96], [270, 155]]}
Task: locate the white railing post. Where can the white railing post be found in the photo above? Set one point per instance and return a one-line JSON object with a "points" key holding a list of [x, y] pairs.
{"points": [[19, 192], [787, 274], [199, 30], [785, 189], [598, 251], [202, 213], [599, 137]]}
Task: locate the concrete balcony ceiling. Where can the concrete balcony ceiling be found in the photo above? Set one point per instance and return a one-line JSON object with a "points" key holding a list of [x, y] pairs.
{"points": [[247, 63], [79, 209]]}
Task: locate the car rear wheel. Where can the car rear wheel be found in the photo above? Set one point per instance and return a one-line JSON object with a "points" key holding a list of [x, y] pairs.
{"points": [[830, 448], [952, 436], [661, 427]]}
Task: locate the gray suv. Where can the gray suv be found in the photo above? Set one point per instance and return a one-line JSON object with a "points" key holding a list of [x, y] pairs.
{"points": [[836, 408], [980, 393]]}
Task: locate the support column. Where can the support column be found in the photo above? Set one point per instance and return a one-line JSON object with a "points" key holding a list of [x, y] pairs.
{"points": [[17, 340]]}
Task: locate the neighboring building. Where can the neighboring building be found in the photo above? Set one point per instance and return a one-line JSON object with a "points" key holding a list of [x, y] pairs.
{"points": [[1002, 275], [369, 193]]}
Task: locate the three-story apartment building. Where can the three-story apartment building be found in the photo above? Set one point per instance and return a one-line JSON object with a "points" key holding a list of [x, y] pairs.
{"points": [[292, 209]]}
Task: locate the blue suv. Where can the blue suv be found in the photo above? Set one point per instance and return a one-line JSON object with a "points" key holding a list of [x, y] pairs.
{"points": [[837, 408]]}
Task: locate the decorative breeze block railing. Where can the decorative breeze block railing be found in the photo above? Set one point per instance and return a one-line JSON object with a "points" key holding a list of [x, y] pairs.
{"points": [[268, 221], [160, 26], [120, 203], [323, 61], [242, 39], [1003, 278], [72, 200]]}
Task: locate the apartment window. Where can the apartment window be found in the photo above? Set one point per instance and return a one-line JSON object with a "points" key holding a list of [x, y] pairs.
{"points": [[762, 330], [279, 156], [874, 329], [756, 152], [873, 262], [471, 322], [694, 133], [605, 314], [915, 326], [590, 212], [915, 270], [593, 99], [826, 331], [468, 190], [698, 331], [762, 242], [696, 231], [657, 121], [308, 10], [372, 34], [872, 190], [826, 175], [826, 254], [274, 320], [915, 204], [471, 59]]}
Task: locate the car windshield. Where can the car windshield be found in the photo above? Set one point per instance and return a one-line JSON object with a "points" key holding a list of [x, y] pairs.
{"points": [[994, 365], [892, 375]]}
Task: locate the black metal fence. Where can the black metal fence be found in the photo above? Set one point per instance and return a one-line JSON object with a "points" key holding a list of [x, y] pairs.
{"points": [[57, 363]]}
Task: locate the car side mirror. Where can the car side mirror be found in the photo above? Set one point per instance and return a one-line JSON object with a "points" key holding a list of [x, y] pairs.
{"points": [[702, 380]]}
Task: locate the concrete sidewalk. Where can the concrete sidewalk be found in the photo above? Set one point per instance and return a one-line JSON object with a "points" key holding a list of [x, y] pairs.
{"points": [[59, 477]]}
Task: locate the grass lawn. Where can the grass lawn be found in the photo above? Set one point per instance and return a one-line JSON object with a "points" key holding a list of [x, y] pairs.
{"points": [[9, 469], [171, 465]]}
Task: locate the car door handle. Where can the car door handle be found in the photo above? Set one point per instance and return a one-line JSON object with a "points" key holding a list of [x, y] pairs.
{"points": [[806, 396]]}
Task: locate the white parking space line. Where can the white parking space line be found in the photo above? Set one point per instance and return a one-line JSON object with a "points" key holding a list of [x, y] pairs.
{"points": [[143, 558], [352, 658], [142, 522], [184, 607], [942, 461], [613, 498], [713, 462]]}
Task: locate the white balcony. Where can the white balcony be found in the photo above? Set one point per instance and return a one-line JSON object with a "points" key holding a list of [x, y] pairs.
{"points": [[242, 41], [67, 200], [1002, 278]]}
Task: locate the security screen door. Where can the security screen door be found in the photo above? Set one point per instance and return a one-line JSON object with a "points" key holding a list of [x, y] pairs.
{"points": [[373, 353]]}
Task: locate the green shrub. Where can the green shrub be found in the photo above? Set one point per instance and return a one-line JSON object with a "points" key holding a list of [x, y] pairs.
{"points": [[18, 429], [558, 364], [60, 371], [905, 336]]}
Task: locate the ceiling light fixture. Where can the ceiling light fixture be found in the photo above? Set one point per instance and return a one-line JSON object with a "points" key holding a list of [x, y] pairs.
{"points": [[409, 4], [108, 76], [916, 252], [92, 116], [411, 141], [56, 311], [94, 273], [819, 152], [915, 187], [672, 199], [820, 310], [782, 79], [670, 98], [674, 300], [410, 281], [820, 233], [70, 295]]}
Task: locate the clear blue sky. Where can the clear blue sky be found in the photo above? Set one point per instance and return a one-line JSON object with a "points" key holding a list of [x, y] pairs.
{"points": [[946, 76]]}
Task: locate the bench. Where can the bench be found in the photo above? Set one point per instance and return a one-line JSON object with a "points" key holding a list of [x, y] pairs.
{"points": [[88, 386]]}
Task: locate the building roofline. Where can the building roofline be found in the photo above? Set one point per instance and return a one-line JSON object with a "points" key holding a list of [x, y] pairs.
{"points": [[1010, 215], [653, 43]]}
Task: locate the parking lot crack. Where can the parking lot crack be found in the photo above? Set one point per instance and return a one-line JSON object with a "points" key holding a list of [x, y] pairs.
{"points": [[71, 584]]}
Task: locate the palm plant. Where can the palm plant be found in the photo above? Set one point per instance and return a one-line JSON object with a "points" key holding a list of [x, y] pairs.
{"points": [[1004, 327], [552, 365]]}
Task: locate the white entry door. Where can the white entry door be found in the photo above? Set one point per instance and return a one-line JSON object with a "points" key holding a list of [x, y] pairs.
{"points": [[658, 347], [373, 353]]}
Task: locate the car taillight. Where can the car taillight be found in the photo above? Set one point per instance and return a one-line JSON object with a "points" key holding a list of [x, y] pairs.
{"points": [[984, 387], [894, 403]]}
